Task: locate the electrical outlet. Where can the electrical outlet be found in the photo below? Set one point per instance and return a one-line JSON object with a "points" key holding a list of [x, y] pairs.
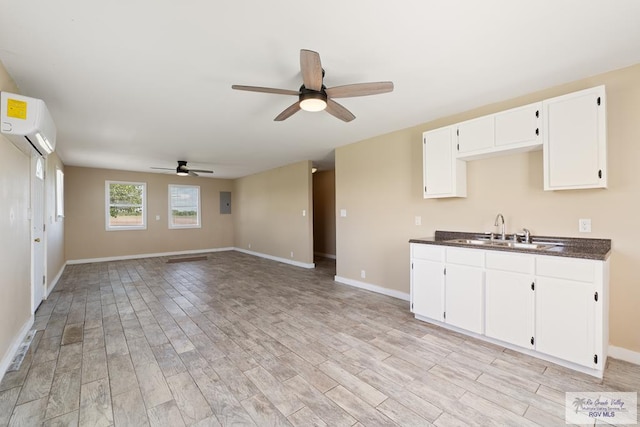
{"points": [[418, 220], [157, 217], [363, 274], [584, 225], [249, 245], [304, 212], [291, 254]]}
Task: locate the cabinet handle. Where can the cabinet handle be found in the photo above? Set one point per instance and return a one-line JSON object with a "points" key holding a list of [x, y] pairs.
{"points": [[537, 131], [600, 173], [532, 341], [533, 286], [537, 114], [595, 297]]}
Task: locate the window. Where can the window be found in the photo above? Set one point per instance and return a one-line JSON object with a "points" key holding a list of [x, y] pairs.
{"points": [[59, 194], [184, 206], [126, 205]]}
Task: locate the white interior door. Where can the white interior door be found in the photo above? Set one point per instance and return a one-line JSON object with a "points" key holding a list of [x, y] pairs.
{"points": [[37, 231]]}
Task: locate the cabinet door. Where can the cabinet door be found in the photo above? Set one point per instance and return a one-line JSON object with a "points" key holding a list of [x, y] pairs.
{"points": [[519, 126], [427, 288], [464, 297], [443, 174], [565, 320], [509, 307], [476, 134], [575, 134]]}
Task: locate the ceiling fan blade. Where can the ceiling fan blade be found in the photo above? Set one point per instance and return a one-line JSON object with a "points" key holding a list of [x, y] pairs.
{"points": [[163, 169], [266, 90], [200, 170], [339, 111], [192, 173], [359, 89], [288, 112], [311, 69]]}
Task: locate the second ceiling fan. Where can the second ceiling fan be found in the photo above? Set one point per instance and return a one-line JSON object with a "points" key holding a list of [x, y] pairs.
{"points": [[314, 96]]}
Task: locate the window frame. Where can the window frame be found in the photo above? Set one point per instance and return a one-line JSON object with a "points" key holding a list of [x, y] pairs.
{"points": [[173, 226], [59, 194], [107, 192]]}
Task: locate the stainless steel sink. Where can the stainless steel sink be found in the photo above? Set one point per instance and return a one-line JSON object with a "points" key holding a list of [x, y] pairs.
{"points": [[471, 241], [502, 244]]}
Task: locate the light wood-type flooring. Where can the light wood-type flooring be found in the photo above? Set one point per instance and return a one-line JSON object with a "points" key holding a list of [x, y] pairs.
{"points": [[240, 340]]}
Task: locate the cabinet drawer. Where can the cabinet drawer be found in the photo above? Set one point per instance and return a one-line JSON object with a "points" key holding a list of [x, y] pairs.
{"points": [[566, 268], [429, 252], [510, 262], [471, 257]]}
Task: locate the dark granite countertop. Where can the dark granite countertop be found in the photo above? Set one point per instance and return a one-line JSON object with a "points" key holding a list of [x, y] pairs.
{"points": [[571, 247]]}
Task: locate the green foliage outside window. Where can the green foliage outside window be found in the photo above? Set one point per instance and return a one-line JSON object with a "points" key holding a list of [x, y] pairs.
{"points": [[125, 200]]}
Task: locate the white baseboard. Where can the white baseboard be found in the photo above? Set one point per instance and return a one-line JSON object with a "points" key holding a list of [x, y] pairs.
{"points": [[275, 258], [624, 354], [372, 288], [330, 256], [54, 282], [10, 354], [138, 256]]}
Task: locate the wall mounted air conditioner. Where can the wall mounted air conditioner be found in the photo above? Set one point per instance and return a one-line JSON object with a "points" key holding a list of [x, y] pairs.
{"points": [[27, 123]]}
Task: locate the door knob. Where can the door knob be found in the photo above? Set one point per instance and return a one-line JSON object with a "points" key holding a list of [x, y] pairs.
{"points": [[37, 239]]}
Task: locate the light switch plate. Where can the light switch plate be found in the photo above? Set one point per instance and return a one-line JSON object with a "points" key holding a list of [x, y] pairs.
{"points": [[343, 213]]}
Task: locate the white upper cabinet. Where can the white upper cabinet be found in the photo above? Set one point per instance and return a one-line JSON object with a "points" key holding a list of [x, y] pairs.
{"points": [[475, 135], [443, 174], [519, 126], [575, 140], [571, 130]]}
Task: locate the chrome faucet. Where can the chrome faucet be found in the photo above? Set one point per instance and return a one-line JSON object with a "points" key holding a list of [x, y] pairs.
{"points": [[499, 218], [527, 235]]}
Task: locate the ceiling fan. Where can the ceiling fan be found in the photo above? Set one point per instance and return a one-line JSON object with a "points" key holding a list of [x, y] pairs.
{"points": [[314, 96], [184, 170]]}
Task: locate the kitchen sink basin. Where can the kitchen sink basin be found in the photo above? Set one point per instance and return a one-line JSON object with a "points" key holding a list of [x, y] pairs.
{"points": [[502, 244]]}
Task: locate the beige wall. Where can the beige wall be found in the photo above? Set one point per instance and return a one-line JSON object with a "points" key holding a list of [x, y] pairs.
{"points": [[15, 250], [324, 212], [268, 212], [85, 234], [379, 182], [54, 226]]}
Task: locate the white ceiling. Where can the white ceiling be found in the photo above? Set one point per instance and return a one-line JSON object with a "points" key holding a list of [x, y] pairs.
{"points": [[133, 84]]}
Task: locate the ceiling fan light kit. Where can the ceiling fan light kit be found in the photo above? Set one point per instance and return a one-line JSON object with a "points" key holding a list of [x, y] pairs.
{"points": [[311, 100], [314, 96]]}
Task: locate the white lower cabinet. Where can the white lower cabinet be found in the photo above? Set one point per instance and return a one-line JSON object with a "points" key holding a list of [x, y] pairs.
{"points": [[428, 289], [510, 298], [570, 320], [509, 308], [464, 289], [553, 307], [427, 281]]}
